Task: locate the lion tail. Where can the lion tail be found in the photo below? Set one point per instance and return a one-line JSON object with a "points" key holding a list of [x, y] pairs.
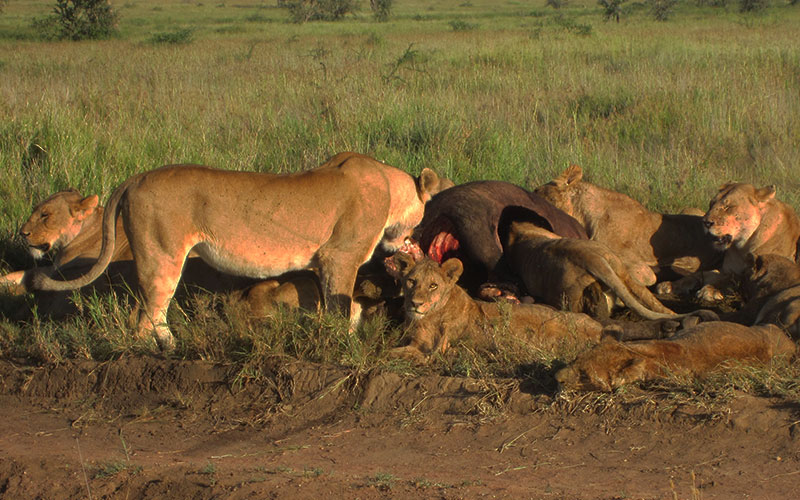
{"points": [[609, 276], [44, 282]]}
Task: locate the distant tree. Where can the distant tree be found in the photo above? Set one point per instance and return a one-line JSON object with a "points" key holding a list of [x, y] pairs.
{"points": [[752, 5], [319, 10], [661, 9], [381, 9], [611, 8], [82, 19]]}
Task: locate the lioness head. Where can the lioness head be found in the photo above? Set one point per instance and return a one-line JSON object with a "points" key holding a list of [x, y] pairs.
{"points": [[426, 285], [559, 190], [427, 185], [56, 221], [735, 213], [603, 368]]}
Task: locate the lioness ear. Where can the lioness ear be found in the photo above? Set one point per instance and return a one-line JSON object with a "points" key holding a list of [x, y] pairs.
{"points": [[85, 205], [453, 268], [428, 184], [404, 261], [765, 194]]}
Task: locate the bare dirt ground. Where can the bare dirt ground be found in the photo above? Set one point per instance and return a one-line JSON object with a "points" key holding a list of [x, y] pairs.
{"points": [[142, 427]]}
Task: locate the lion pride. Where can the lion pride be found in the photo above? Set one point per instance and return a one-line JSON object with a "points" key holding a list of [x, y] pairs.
{"points": [[330, 219]]}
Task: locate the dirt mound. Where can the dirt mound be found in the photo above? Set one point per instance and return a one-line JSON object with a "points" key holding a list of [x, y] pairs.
{"points": [[142, 427]]}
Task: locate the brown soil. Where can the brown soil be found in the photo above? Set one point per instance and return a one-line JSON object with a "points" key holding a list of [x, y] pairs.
{"points": [[141, 427]]}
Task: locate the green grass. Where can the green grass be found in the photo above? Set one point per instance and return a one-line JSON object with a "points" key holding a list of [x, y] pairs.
{"points": [[664, 111]]}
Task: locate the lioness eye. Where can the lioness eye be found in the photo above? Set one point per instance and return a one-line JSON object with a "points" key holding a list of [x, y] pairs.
{"points": [[433, 286]]}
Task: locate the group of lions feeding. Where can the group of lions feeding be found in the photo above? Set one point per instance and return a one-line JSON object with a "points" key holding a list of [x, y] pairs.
{"points": [[471, 261]]}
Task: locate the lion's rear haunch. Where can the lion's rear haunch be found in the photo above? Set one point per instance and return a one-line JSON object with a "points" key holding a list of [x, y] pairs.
{"points": [[259, 225]]}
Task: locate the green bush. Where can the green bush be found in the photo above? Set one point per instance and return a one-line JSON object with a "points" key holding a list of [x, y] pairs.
{"points": [[172, 37], [84, 19], [381, 9], [752, 5], [612, 9], [301, 11], [661, 9]]}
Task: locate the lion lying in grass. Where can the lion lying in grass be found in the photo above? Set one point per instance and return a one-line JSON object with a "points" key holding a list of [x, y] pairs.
{"points": [[439, 312], [695, 351]]}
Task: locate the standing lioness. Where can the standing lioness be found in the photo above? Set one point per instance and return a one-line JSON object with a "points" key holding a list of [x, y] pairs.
{"points": [[252, 224]]}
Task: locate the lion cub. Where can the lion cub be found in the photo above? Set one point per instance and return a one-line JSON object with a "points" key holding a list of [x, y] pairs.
{"points": [[694, 351], [566, 272], [438, 312], [772, 283]]}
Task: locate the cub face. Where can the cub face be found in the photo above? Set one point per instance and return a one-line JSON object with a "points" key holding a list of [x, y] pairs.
{"points": [[56, 221], [735, 213], [559, 191], [427, 286], [603, 368]]}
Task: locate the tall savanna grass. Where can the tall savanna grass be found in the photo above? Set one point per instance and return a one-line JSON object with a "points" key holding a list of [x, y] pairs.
{"points": [[512, 90]]}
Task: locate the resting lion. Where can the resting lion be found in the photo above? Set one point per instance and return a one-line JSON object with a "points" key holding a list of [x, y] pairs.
{"points": [[744, 220], [694, 351], [438, 311], [69, 226], [560, 272], [772, 286], [330, 219], [649, 243]]}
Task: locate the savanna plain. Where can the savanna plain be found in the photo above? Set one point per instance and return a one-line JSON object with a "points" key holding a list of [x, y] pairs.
{"points": [[299, 406]]}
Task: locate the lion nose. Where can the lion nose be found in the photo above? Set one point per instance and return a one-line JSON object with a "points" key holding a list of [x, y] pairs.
{"points": [[708, 223], [24, 233]]}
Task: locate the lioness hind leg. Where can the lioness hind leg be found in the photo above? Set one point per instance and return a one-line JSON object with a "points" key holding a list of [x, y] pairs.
{"points": [[157, 285]]}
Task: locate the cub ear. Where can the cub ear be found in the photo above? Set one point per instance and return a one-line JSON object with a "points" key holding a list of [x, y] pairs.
{"points": [[631, 371], [429, 183], [568, 177], [726, 185], [84, 206], [452, 269], [765, 194], [404, 262]]}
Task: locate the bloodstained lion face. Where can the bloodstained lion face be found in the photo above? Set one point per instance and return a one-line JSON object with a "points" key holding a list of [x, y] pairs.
{"points": [[734, 214]]}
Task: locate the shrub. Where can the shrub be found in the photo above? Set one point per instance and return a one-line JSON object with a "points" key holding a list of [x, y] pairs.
{"points": [[662, 9], [459, 25], [172, 37], [611, 8], [301, 11], [752, 5], [556, 4], [381, 9], [84, 19]]}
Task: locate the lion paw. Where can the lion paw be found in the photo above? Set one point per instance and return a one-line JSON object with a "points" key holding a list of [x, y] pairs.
{"points": [[664, 288], [709, 293]]}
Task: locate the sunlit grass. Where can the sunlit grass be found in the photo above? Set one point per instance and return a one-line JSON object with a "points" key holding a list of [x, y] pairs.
{"points": [[662, 111]]}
